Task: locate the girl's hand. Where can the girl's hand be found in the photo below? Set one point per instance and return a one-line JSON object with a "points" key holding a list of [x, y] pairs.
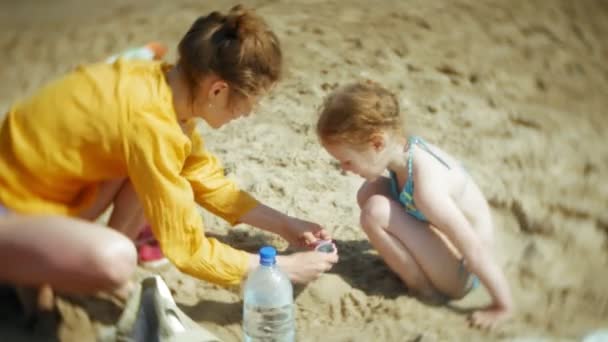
{"points": [[303, 233], [305, 267], [489, 317]]}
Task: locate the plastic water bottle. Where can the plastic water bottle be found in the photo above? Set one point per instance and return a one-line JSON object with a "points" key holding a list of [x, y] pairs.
{"points": [[268, 310]]}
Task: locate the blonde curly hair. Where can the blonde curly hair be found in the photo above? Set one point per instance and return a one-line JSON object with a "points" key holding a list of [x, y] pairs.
{"points": [[353, 113]]}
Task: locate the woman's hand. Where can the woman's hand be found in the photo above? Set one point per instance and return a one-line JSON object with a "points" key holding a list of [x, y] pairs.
{"points": [[297, 232], [303, 233]]}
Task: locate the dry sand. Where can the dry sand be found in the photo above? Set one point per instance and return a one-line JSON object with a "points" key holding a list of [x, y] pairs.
{"points": [[517, 89]]}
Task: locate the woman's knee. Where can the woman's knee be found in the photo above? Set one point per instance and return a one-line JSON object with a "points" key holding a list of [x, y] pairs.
{"points": [[126, 195], [375, 213], [127, 215], [108, 191], [114, 262]]}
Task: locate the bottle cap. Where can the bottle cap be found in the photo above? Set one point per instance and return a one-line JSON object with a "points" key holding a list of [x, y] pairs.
{"points": [[268, 255]]}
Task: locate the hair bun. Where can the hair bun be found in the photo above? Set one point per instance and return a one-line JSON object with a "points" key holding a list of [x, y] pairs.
{"points": [[237, 46], [239, 23]]}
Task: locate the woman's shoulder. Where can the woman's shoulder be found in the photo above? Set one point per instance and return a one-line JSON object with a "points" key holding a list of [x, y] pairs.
{"points": [[144, 90]]}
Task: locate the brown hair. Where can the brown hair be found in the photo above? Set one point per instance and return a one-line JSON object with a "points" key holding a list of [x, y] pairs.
{"points": [[353, 113], [238, 47]]}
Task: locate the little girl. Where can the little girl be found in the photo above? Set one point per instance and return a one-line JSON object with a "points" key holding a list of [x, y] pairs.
{"points": [[122, 134], [427, 219]]}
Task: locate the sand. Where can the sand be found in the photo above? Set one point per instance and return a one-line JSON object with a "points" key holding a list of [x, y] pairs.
{"points": [[516, 89]]}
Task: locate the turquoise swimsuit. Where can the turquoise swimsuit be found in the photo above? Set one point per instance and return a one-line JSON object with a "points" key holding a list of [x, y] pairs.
{"points": [[406, 198]]}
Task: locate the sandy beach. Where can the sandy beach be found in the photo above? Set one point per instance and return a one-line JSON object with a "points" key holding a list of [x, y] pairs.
{"points": [[518, 90]]}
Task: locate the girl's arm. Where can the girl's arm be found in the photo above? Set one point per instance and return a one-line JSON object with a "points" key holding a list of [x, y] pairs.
{"points": [[437, 205]]}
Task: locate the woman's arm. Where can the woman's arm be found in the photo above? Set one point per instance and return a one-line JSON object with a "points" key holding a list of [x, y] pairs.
{"points": [[296, 231], [155, 152], [221, 196]]}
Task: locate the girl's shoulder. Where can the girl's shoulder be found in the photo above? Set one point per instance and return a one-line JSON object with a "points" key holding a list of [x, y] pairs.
{"points": [[431, 151]]}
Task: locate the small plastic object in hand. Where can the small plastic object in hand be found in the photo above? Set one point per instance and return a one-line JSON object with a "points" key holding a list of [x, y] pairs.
{"points": [[325, 246]]}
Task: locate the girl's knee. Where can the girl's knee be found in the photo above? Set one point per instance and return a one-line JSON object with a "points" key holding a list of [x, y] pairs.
{"points": [[380, 186], [375, 212], [364, 192]]}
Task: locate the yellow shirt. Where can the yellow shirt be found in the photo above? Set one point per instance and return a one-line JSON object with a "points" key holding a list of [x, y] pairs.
{"points": [[107, 121]]}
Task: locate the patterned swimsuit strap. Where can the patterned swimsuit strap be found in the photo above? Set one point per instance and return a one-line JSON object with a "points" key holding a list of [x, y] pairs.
{"points": [[420, 142], [410, 157]]}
